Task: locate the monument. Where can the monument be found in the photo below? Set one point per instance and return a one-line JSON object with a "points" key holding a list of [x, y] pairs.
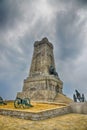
{"points": [[43, 82]]}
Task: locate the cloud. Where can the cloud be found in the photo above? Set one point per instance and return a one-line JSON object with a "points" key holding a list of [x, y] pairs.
{"points": [[9, 13], [69, 34], [82, 2], [24, 22]]}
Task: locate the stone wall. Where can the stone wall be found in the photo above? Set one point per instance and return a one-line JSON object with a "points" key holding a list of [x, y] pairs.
{"points": [[36, 115], [41, 88], [79, 107], [39, 95]]}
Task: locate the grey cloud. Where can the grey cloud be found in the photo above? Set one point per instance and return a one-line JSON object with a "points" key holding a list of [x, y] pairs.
{"points": [[55, 2], [75, 4], [13, 12], [8, 13], [82, 2], [68, 34]]}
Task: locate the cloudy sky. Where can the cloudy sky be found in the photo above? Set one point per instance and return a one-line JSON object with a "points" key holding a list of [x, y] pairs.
{"points": [[63, 22]]}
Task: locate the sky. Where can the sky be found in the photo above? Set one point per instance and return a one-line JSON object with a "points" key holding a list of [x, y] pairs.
{"points": [[63, 22]]}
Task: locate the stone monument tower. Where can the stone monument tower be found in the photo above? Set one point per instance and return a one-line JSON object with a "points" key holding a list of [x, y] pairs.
{"points": [[43, 83]]}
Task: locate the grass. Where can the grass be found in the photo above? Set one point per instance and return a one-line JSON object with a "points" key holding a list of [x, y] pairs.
{"points": [[65, 122], [36, 106]]}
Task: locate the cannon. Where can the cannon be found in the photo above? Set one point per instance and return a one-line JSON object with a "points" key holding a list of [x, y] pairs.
{"points": [[2, 102], [78, 97], [22, 103]]}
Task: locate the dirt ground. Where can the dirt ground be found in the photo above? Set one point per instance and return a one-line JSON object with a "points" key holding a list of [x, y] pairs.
{"points": [[65, 122]]}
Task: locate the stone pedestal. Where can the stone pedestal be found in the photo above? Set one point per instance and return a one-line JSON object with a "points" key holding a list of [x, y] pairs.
{"points": [[41, 84], [43, 88]]}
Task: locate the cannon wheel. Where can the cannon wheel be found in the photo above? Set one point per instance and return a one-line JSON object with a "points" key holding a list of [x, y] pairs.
{"points": [[17, 103]]}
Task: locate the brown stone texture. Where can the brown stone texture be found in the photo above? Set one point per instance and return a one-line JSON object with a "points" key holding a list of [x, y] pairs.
{"points": [[42, 57], [40, 84]]}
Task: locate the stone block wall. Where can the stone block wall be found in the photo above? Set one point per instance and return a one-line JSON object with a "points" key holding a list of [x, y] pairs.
{"points": [[79, 107], [36, 115], [41, 88]]}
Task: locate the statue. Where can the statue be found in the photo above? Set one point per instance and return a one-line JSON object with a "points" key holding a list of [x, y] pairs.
{"points": [[78, 97], [74, 97], [52, 71]]}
